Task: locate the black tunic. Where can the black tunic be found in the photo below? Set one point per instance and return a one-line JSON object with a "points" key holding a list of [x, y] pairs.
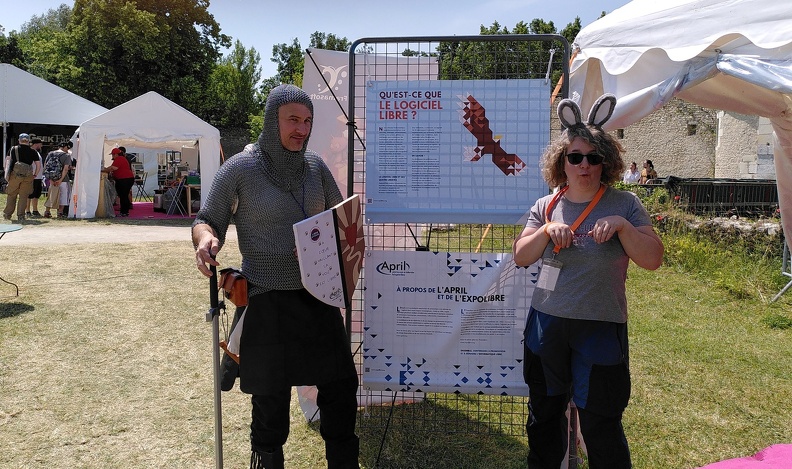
{"points": [[290, 338]]}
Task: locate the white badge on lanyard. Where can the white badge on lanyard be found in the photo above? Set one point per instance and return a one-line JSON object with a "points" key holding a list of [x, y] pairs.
{"points": [[548, 275]]}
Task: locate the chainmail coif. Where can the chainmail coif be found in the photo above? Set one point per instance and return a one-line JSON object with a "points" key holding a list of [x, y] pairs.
{"points": [[275, 188], [285, 168]]}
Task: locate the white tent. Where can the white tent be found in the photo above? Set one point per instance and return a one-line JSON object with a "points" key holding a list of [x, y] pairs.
{"points": [[27, 98], [733, 55], [148, 121]]}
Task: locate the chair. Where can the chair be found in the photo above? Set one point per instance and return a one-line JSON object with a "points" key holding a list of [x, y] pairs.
{"points": [[175, 202], [140, 184]]}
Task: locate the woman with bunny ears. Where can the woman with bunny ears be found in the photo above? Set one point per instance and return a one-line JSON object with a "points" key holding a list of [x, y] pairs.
{"points": [[576, 333]]}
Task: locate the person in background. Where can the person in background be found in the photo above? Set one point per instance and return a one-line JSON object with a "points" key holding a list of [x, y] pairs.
{"points": [[59, 188], [289, 337], [648, 172], [31, 210], [73, 165], [20, 177], [576, 345], [124, 179], [130, 160], [632, 175]]}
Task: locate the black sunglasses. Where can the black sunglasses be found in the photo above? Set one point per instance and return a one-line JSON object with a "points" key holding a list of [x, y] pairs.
{"points": [[593, 158]]}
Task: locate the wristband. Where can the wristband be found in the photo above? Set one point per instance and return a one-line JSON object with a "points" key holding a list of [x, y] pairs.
{"points": [[545, 228]]}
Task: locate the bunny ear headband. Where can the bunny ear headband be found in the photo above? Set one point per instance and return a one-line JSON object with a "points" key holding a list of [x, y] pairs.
{"points": [[601, 111]]}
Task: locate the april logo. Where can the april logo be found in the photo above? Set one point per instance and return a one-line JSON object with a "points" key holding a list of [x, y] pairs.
{"points": [[398, 268], [334, 76]]}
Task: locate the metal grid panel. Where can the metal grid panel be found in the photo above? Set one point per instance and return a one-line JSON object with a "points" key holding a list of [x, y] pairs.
{"points": [[457, 58]]}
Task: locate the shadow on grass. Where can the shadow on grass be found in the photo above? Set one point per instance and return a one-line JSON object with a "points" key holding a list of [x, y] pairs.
{"points": [[141, 222], [9, 310], [427, 434]]}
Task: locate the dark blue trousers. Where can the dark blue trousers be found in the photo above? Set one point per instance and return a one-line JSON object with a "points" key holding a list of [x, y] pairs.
{"points": [[586, 361]]}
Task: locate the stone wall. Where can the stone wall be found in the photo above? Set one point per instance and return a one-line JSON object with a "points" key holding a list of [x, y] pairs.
{"points": [[679, 138], [745, 147]]}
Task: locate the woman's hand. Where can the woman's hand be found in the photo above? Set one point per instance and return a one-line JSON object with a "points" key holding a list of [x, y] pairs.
{"points": [[559, 233], [641, 243], [606, 227], [530, 245]]}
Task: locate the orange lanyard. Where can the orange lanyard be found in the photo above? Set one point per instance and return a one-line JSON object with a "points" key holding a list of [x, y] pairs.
{"points": [[582, 216]]}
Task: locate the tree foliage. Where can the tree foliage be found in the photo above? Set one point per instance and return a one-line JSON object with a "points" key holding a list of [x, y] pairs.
{"points": [[506, 59], [43, 38], [329, 42], [117, 50], [232, 88], [10, 52], [291, 59]]}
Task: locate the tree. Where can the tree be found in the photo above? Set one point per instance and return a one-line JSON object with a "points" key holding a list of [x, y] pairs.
{"points": [[329, 42], [503, 59], [10, 52], [120, 49], [42, 38], [291, 58], [232, 88], [290, 62]]}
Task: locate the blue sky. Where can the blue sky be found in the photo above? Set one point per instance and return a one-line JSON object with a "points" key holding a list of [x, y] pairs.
{"points": [[264, 23]]}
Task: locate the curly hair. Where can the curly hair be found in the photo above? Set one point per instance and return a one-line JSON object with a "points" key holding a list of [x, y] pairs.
{"points": [[552, 161]]}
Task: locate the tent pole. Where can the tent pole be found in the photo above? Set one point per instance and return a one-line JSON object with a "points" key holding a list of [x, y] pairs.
{"points": [[5, 140]]}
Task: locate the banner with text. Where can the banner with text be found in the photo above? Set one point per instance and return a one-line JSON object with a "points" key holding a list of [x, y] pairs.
{"points": [[445, 322], [461, 151]]}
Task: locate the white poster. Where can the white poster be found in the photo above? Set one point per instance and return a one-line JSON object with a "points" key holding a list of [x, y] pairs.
{"points": [[455, 151], [445, 322]]}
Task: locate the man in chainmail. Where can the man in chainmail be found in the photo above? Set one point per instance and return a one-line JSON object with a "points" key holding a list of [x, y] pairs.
{"points": [[289, 337]]}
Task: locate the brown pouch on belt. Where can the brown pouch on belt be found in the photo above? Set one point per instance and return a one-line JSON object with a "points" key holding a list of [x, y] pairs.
{"points": [[234, 286]]}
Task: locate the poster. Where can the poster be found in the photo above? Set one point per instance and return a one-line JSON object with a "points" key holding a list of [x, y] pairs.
{"points": [[445, 322], [455, 151]]}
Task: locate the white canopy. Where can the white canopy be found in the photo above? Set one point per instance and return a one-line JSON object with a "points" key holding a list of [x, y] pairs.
{"points": [[27, 98], [148, 121], [734, 55]]}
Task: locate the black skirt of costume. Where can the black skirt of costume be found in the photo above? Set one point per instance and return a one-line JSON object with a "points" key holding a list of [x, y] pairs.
{"points": [[290, 338]]}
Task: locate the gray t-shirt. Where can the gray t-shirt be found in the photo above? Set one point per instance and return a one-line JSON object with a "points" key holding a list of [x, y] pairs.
{"points": [[591, 284]]}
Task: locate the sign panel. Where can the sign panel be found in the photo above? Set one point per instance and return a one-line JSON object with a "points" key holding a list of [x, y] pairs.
{"points": [[445, 322], [455, 151]]}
